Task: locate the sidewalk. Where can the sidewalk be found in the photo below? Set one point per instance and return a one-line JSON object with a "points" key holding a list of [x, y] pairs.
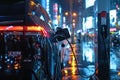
{"points": [[70, 69]]}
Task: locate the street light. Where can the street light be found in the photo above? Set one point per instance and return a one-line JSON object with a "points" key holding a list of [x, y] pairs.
{"points": [[74, 14], [66, 13], [71, 20]]}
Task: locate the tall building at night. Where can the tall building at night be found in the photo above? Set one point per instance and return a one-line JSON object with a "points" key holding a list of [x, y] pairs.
{"points": [[53, 8]]}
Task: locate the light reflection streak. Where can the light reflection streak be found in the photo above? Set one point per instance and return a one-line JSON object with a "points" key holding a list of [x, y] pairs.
{"points": [[66, 72], [118, 73], [73, 64], [73, 70]]}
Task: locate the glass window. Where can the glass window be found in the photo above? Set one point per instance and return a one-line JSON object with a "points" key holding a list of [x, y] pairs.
{"points": [[114, 39]]}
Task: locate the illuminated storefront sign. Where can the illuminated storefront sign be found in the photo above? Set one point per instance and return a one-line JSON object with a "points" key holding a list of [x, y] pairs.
{"points": [[89, 3]]}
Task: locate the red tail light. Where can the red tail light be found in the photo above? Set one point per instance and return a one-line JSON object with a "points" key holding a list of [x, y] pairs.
{"points": [[24, 29]]}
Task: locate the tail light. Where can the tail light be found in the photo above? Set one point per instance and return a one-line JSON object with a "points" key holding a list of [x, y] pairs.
{"points": [[24, 29]]}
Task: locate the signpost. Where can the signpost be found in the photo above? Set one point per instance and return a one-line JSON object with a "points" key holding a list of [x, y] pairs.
{"points": [[103, 40]]}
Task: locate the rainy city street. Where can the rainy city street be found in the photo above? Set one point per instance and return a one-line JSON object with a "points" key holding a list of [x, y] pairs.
{"points": [[79, 62], [60, 40]]}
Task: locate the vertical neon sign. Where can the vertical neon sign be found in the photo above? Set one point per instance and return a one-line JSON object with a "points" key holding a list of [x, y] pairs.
{"points": [[55, 15], [48, 7]]}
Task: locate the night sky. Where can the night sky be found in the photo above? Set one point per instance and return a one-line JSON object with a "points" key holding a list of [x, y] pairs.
{"points": [[66, 5]]}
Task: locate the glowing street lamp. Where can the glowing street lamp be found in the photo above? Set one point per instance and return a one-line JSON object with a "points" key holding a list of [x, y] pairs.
{"points": [[71, 16], [74, 14], [66, 13]]}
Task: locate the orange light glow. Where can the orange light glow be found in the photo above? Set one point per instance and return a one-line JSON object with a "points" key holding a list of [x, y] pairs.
{"points": [[15, 28], [32, 3], [20, 28], [69, 61], [66, 13], [74, 14], [65, 71], [35, 28], [73, 64], [24, 28], [16, 67], [73, 70], [8, 66], [73, 58], [118, 73]]}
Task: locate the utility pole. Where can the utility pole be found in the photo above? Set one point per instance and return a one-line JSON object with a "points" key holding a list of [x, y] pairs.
{"points": [[71, 25], [103, 40]]}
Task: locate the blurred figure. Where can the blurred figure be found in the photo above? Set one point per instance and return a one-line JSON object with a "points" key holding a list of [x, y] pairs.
{"points": [[63, 50]]}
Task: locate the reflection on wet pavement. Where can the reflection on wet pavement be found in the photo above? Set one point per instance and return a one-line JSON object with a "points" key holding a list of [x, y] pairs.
{"points": [[85, 53], [73, 77], [78, 67]]}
